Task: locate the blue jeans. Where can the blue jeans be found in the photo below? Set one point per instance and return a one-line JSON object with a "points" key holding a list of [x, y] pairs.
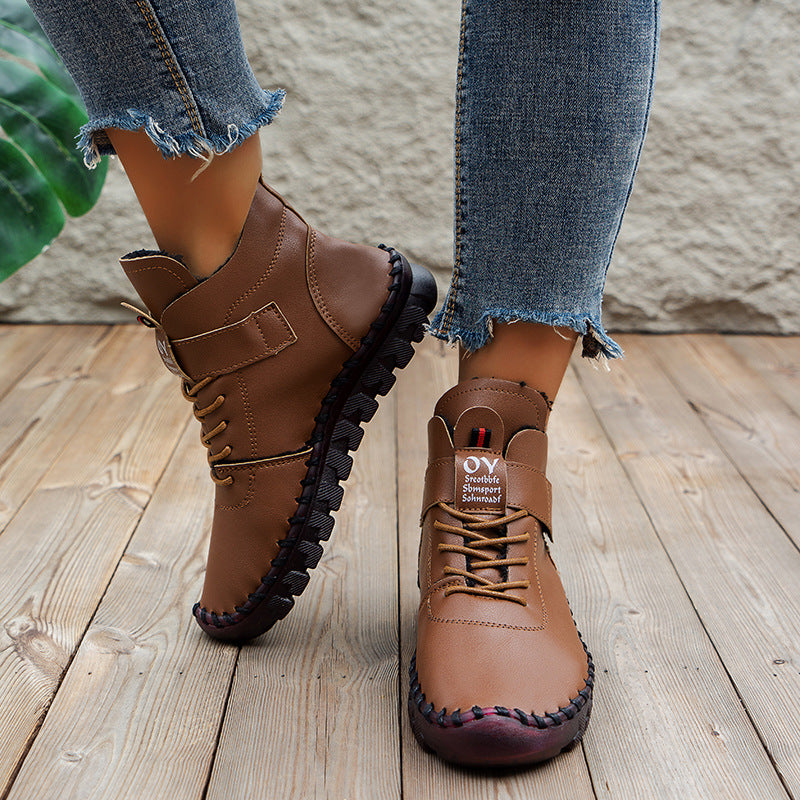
{"points": [[551, 113]]}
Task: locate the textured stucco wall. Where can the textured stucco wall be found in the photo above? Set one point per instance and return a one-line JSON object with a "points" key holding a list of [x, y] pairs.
{"points": [[363, 147]]}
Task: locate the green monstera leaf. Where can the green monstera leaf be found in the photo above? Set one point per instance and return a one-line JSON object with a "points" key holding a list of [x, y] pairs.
{"points": [[41, 172]]}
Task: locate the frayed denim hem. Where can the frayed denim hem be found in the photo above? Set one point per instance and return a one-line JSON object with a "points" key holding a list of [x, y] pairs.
{"points": [[596, 342], [94, 142]]}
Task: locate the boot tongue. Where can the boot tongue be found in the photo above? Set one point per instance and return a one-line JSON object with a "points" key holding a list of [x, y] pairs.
{"points": [[516, 405], [480, 470], [158, 279]]}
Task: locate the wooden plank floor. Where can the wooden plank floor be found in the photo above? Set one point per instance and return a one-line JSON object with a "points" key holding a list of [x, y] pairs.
{"points": [[677, 499]]}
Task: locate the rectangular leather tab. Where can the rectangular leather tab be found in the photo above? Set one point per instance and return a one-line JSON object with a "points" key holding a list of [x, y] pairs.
{"points": [[260, 335], [438, 486], [530, 490], [480, 481]]}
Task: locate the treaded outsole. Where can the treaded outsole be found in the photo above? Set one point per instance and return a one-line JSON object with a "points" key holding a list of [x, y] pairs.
{"points": [[351, 402]]}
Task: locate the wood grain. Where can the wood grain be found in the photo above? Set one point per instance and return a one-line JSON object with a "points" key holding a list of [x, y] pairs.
{"points": [[686, 588], [51, 402], [313, 709], [58, 553], [776, 359], [155, 685], [21, 346], [738, 567], [758, 431], [426, 777], [666, 721]]}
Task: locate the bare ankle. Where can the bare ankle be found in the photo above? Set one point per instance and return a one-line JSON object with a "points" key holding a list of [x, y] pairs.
{"points": [[195, 213], [534, 354]]}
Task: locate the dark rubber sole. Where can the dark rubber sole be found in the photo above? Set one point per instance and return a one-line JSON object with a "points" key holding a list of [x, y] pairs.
{"points": [[497, 736], [351, 402], [496, 741]]}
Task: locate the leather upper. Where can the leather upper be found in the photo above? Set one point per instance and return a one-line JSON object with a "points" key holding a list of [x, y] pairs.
{"points": [[474, 649], [267, 332]]}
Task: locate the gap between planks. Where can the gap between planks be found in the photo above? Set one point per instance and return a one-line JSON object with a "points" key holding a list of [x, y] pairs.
{"points": [[49, 404], [60, 549], [313, 705], [758, 431], [604, 578], [425, 777], [21, 347], [736, 564]]}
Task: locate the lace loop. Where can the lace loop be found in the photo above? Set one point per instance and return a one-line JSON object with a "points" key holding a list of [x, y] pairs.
{"points": [[190, 392], [472, 530]]}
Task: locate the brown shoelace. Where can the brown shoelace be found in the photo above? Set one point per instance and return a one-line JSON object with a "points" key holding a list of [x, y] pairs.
{"points": [[472, 528], [190, 393]]}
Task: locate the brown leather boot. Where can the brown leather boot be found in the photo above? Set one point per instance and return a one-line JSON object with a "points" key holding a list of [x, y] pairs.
{"points": [[282, 351], [500, 675]]}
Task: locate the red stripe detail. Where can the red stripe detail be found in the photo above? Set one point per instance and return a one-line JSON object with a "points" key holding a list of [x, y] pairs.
{"points": [[481, 437]]}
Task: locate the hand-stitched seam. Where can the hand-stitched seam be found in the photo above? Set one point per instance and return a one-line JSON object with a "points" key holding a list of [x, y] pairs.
{"points": [[253, 360], [458, 718], [545, 615], [517, 465], [482, 623], [548, 488], [487, 624], [270, 351], [443, 586], [270, 266], [246, 499], [248, 415], [226, 329], [430, 562], [291, 336], [181, 278], [431, 591], [155, 30], [232, 367], [318, 298], [501, 391], [478, 450]]}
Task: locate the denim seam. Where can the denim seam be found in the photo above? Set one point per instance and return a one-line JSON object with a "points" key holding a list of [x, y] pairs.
{"points": [[196, 145], [651, 81], [595, 339], [451, 299], [169, 59]]}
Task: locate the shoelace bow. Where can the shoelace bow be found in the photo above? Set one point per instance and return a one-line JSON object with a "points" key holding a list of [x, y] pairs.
{"points": [[472, 529], [190, 393]]}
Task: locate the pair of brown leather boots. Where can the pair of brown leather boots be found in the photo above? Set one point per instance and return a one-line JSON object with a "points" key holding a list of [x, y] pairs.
{"points": [[283, 351]]}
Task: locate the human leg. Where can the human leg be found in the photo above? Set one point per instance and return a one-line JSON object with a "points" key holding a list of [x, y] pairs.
{"points": [[551, 111], [283, 348], [552, 108], [170, 78], [529, 353], [195, 210]]}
